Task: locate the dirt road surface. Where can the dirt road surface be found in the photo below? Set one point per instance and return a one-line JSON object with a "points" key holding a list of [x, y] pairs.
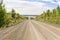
{"points": [[31, 30]]}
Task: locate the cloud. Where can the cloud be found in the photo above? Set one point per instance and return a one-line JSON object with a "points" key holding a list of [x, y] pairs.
{"points": [[47, 0], [26, 7], [58, 2], [51, 1]]}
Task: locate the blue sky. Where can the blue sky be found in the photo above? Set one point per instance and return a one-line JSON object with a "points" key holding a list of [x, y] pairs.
{"points": [[31, 7]]}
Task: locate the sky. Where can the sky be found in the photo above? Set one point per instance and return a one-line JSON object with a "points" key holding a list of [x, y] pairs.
{"points": [[30, 7]]}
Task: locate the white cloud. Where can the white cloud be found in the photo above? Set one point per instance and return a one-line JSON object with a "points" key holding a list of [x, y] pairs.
{"points": [[58, 2], [26, 7], [52, 1], [47, 0]]}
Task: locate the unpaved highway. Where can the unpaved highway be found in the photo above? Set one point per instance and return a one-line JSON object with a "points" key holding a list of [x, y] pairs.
{"points": [[31, 30]]}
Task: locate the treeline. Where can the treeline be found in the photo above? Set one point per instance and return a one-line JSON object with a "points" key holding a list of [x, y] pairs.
{"points": [[10, 18], [50, 16]]}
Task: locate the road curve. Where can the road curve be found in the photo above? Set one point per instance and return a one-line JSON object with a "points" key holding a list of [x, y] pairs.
{"points": [[31, 30]]}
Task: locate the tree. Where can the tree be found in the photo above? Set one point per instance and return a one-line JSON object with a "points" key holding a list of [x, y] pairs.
{"points": [[48, 14], [58, 9], [13, 14], [51, 16], [2, 15]]}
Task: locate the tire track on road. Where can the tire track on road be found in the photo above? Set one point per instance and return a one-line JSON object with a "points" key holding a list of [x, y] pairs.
{"points": [[46, 32]]}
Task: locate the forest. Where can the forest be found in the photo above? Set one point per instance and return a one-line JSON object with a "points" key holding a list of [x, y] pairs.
{"points": [[50, 16], [9, 18]]}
